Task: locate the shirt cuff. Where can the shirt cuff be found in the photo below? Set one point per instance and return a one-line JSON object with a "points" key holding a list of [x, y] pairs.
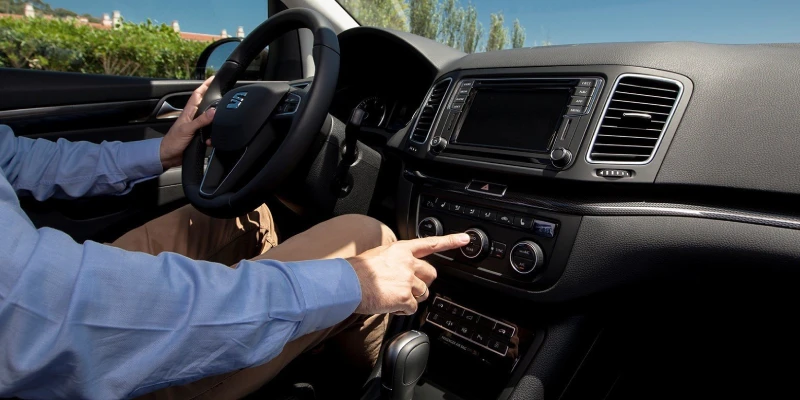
{"points": [[331, 291], [140, 159]]}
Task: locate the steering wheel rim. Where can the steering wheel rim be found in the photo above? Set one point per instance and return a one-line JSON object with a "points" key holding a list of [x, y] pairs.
{"points": [[256, 133]]}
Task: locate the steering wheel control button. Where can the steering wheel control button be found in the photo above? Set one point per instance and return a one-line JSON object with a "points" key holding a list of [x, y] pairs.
{"points": [[478, 244], [492, 189], [498, 249], [526, 256], [429, 227], [503, 331], [544, 228]]}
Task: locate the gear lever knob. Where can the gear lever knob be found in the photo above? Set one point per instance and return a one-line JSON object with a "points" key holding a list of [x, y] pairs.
{"points": [[404, 361]]}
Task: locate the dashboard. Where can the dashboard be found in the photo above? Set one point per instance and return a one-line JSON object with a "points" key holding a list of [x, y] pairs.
{"points": [[582, 174]]}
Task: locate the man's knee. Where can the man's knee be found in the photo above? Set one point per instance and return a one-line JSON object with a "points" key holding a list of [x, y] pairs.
{"points": [[368, 231]]}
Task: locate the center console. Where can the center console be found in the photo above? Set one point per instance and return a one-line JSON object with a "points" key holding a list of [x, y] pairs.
{"points": [[488, 154]]}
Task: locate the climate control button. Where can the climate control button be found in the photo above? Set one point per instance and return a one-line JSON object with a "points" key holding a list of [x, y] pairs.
{"points": [[429, 227], [478, 245], [526, 256]]}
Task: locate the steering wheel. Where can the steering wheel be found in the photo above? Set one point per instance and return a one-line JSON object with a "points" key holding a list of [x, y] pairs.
{"points": [[262, 130]]}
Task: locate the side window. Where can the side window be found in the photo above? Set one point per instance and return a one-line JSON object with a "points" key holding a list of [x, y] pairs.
{"points": [[84, 37]]}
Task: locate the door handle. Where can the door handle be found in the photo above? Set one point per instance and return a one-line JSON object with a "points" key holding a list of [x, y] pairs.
{"points": [[167, 111]]}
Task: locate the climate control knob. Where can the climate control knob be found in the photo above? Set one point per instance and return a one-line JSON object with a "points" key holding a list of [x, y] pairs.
{"points": [[429, 227], [478, 245], [526, 257]]}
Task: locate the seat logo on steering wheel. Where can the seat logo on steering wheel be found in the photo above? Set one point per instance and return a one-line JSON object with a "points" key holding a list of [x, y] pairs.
{"points": [[237, 100]]}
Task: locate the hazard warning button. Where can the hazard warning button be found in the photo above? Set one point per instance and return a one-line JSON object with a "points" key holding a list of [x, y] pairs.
{"points": [[493, 189]]}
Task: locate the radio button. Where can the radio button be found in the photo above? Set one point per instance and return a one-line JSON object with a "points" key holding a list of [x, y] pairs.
{"points": [[579, 101], [574, 110], [586, 83], [457, 106], [584, 91], [544, 229], [466, 84], [463, 91], [523, 222], [461, 98]]}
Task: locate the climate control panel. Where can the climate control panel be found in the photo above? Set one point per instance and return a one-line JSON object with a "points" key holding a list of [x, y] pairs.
{"points": [[505, 243]]}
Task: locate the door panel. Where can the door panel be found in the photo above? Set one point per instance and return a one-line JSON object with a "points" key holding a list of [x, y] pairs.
{"points": [[53, 105]]}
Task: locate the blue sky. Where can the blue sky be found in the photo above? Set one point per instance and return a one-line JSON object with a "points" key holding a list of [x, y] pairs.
{"points": [[559, 21]]}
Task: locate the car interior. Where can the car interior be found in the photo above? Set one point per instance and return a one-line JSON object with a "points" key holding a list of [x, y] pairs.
{"points": [[634, 226]]}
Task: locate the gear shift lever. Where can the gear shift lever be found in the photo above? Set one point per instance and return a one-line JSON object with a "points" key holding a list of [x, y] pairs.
{"points": [[404, 361]]}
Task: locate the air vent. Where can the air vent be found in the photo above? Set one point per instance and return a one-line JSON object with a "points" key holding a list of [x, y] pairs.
{"points": [[428, 112], [634, 120]]}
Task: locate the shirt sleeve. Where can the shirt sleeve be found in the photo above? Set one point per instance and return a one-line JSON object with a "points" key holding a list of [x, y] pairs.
{"points": [[45, 169], [96, 322]]}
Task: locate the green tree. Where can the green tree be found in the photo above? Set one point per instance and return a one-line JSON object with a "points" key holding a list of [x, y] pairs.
{"points": [[518, 35], [382, 13], [452, 24], [422, 18], [472, 30], [498, 33], [145, 49]]}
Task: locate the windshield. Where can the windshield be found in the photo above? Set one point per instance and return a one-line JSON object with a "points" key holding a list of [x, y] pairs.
{"points": [[484, 25]]}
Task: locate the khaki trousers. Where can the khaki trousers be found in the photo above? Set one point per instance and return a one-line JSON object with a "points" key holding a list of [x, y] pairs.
{"points": [[228, 241]]}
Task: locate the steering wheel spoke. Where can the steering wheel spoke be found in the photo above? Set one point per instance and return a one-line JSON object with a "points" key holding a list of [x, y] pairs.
{"points": [[219, 174]]}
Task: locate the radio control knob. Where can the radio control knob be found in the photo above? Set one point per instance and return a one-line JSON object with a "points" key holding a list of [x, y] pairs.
{"points": [[560, 157], [478, 245], [429, 227], [438, 144], [526, 257]]}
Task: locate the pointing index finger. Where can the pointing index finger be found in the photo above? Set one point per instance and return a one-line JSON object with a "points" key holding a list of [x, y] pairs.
{"points": [[434, 244]]}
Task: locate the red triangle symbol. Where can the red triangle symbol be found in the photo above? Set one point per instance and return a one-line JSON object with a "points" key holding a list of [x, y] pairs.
{"points": [[485, 187]]}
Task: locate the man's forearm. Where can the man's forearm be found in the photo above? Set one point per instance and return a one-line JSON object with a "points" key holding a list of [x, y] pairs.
{"points": [[93, 321]]}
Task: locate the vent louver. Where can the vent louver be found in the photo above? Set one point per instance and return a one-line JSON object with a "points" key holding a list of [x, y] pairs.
{"points": [[429, 110], [635, 120]]}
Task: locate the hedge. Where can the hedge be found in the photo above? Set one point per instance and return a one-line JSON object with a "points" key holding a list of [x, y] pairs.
{"points": [[145, 49]]}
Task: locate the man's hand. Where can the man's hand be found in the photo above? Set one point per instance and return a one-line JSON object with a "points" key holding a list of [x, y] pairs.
{"points": [[182, 132], [394, 279]]}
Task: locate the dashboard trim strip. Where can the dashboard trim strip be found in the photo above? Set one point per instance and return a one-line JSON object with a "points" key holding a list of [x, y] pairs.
{"points": [[642, 208]]}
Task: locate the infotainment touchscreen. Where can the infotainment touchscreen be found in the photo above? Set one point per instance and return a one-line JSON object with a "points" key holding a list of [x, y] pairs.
{"points": [[514, 119]]}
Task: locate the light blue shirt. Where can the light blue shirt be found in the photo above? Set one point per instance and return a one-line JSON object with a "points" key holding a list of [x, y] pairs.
{"points": [[93, 321]]}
